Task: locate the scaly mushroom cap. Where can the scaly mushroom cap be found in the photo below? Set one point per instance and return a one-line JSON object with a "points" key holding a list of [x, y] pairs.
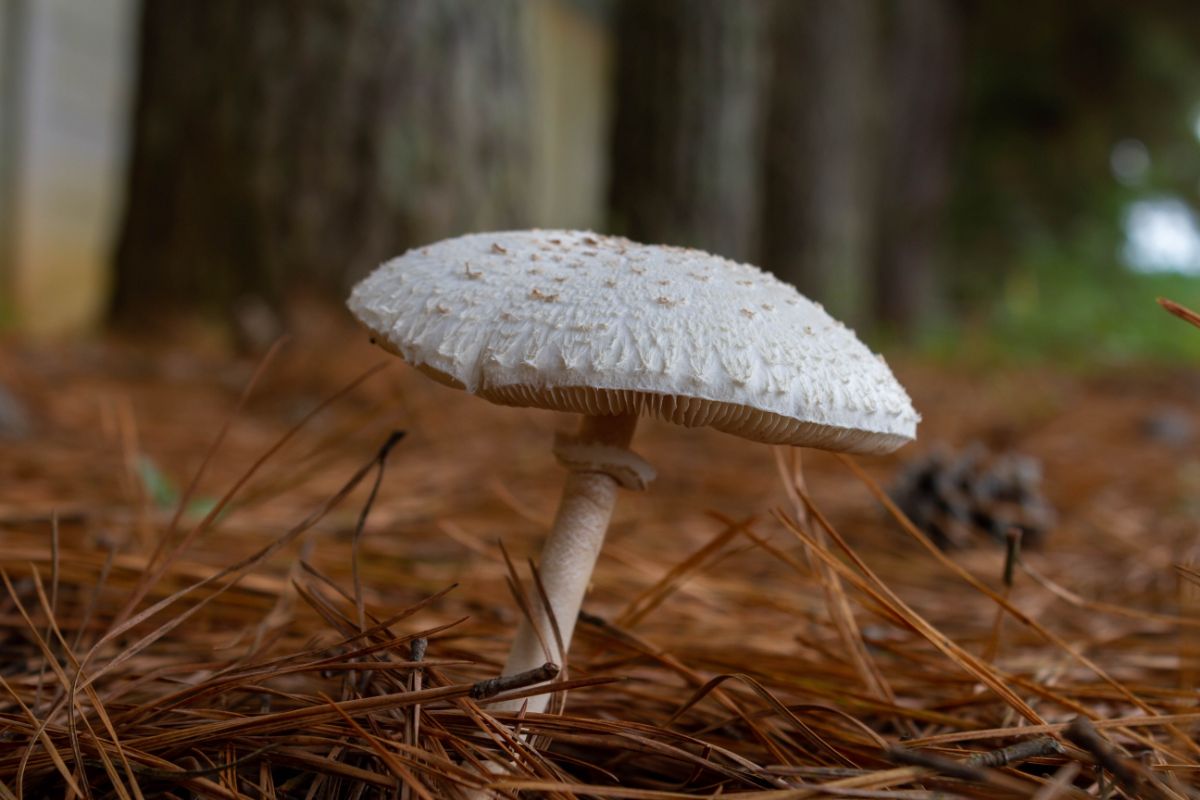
{"points": [[575, 321]]}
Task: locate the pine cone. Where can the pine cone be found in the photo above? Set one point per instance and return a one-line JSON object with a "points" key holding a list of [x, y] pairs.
{"points": [[959, 499]]}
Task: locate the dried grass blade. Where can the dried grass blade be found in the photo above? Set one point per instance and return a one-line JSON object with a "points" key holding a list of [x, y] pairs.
{"points": [[544, 599], [840, 611], [392, 620], [106, 762], [39, 734], [294, 719], [50, 659], [333, 617], [328, 767], [886, 596], [54, 560], [640, 645], [917, 534], [234, 570], [592, 790], [774, 702], [97, 703], [215, 445], [387, 757], [676, 576], [1074, 599], [523, 602], [154, 575], [356, 541], [276, 619], [89, 609], [869, 734]]}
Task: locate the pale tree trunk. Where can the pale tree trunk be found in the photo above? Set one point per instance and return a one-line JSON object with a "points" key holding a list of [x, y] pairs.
{"points": [[687, 136], [279, 144], [821, 152], [924, 68]]}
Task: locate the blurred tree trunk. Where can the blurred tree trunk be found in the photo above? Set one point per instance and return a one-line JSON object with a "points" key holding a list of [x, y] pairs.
{"points": [[687, 135], [279, 144], [923, 70], [821, 150]]}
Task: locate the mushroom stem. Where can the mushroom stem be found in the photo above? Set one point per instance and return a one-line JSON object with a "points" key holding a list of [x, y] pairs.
{"points": [[570, 552]]}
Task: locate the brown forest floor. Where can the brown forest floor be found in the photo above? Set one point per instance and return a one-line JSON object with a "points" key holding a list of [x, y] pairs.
{"points": [[267, 689]]}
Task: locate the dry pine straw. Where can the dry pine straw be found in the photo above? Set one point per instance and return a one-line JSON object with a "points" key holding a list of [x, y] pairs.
{"points": [[322, 624]]}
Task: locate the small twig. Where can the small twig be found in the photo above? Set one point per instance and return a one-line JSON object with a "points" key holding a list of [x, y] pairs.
{"points": [[1030, 748], [1083, 734], [979, 768], [940, 764], [493, 686]]}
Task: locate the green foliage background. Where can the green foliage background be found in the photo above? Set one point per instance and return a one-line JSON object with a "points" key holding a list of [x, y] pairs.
{"points": [[1034, 229]]}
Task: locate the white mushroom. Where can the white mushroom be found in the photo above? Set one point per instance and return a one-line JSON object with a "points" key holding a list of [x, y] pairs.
{"points": [[612, 329]]}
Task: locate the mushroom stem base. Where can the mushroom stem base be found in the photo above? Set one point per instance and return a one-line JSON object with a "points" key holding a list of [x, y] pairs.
{"points": [[569, 556]]}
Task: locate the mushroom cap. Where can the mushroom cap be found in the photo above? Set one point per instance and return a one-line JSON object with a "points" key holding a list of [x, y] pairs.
{"points": [[576, 321]]}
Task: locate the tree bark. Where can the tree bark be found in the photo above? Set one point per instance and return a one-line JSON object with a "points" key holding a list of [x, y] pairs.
{"points": [[279, 144], [924, 68], [687, 136], [821, 151]]}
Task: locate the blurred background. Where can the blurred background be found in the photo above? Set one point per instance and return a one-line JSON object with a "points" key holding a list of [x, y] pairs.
{"points": [[957, 176], [986, 190]]}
